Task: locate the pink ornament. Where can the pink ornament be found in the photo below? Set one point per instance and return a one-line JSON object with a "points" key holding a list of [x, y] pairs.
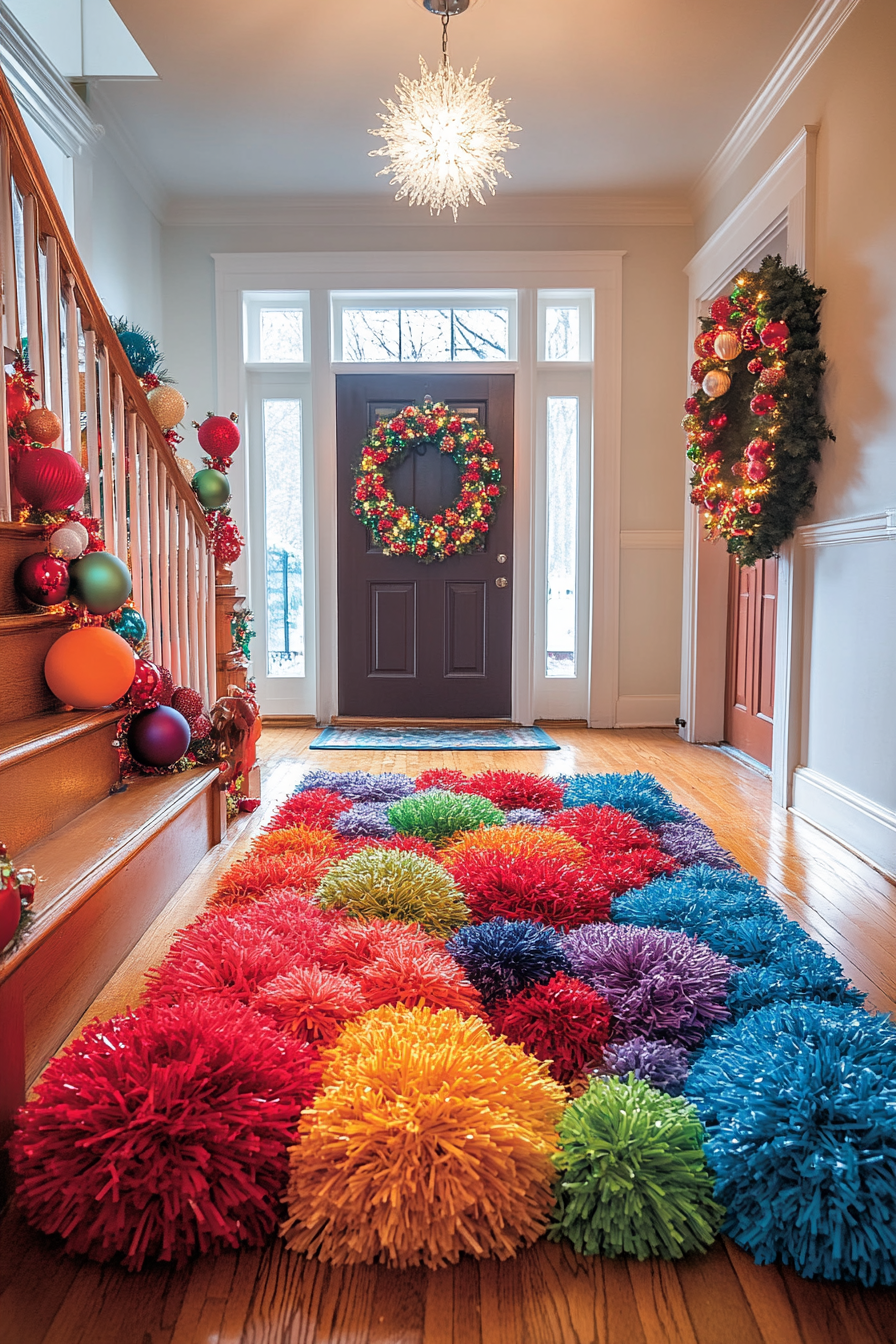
{"points": [[775, 335]]}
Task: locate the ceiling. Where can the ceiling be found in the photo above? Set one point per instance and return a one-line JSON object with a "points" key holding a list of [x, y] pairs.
{"points": [[275, 97]]}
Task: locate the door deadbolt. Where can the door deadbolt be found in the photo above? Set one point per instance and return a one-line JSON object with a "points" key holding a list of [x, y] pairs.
{"points": [[501, 559], [500, 583]]}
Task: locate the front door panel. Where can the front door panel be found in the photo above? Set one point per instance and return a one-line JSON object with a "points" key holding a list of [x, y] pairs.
{"points": [[428, 641]]}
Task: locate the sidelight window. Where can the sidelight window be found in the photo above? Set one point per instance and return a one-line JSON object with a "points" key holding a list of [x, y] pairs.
{"points": [[562, 535], [284, 537]]}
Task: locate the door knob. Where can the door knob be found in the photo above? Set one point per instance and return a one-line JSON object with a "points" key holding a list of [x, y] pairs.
{"points": [[500, 583], [501, 559]]}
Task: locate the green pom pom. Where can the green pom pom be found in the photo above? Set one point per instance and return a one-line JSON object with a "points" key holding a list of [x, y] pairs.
{"points": [[395, 884], [437, 815], [633, 1175]]}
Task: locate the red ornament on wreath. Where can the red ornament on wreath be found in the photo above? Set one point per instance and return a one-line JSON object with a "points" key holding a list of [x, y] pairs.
{"points": [[775, 335]]}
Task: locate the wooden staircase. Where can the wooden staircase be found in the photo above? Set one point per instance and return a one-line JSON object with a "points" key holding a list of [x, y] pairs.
{"points": [[107, 862]]}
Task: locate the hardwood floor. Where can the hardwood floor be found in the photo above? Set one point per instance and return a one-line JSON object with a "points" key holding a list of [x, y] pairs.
{"points": [[548, 1295]]}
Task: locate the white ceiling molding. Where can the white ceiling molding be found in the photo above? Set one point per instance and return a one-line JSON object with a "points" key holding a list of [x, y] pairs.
{"points": [[41, 92], [822, 24], [125, 153], [384, 212]]}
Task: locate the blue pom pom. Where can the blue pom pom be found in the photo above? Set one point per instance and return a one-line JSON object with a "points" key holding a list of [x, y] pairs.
{"points": [[800, 1105], [525, 816], [502, 957], [637, 793], [803, 971], [365, 820], [659, 1063], [753, 941], [696, 899]]}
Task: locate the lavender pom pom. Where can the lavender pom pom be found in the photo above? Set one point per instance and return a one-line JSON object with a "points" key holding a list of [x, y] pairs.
{"points": [[659, 984], [320, 779], [359, 785], [525, 816], [637, 793], [691, 841], [502, 957], [365, 820], [662, 1065]]}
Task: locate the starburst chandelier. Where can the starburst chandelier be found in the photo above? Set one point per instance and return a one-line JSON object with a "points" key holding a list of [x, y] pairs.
{"points": [[446, 135]]}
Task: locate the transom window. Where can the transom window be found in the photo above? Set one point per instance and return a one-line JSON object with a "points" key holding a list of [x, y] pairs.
{"points": [[421, 329]]}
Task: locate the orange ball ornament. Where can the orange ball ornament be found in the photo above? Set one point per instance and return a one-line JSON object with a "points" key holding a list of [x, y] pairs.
{"points": [[90, 667], [43, 425]]}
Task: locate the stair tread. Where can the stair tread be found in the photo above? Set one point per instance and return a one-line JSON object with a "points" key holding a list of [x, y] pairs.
{"points": [[41, 732], [74, 860], [14, 621]]}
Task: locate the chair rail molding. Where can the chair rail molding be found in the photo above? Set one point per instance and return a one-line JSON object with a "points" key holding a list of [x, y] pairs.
{"points": [[821, 25], [849, 531]]}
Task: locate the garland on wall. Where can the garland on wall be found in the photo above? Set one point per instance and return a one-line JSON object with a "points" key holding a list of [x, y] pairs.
{"points": [[754, 424], [398, 529]]}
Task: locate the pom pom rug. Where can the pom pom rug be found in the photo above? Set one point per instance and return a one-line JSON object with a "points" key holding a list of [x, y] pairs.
{"points": [[447, 1016]]}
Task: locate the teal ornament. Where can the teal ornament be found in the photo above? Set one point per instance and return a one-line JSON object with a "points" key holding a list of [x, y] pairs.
{"points": [[212, 488], [141, 350], [130, 625], [100, 582]]}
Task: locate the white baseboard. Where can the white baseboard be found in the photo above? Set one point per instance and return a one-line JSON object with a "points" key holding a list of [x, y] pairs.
{"points": [[647, 711], [862, 825]]}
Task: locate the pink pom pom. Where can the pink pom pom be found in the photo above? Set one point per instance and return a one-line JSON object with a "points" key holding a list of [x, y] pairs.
{"points": [[311, 1003]]}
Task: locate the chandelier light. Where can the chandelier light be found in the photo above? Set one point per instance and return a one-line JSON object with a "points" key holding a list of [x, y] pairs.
{"points": [[446, 136]]}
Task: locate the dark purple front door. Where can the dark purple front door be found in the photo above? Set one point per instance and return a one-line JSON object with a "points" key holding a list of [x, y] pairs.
{"points": [[424, 641]]}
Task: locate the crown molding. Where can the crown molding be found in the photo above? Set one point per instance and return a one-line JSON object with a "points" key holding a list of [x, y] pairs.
{"points": [[125, 153], [822, 24], [370, 212], [41, 92]]}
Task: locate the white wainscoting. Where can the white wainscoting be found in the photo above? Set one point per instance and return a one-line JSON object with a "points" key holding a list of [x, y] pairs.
{"points": [[859, 823], [650, 577]]}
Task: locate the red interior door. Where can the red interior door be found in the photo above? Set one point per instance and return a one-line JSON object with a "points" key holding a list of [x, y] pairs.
{"points": [[750, 681], [423, 641]]}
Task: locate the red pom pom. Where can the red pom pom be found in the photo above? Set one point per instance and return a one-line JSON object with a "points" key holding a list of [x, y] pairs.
{"points": [[251, 878], [411, 844], [353, 944], [509, 789], [565, 1021], [318, 808], [538, 888], [163, 1133], [187, 702], [220, 956], [403, 973], [311, 1003], [218, 436], [293, 920], [451, 780], [616, 873], [603, 830]]}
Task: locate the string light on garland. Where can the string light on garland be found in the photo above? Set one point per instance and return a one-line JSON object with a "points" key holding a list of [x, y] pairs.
{"points": [[446, 136]]}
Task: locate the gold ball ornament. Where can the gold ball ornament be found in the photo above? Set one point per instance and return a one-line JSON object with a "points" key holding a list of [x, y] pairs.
{"points": [[727, 345], [167, 405], [186, 467], [716, 383]]}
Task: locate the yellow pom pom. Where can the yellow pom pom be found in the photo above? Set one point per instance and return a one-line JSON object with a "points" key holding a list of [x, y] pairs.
{"points": [[431, 1138]]}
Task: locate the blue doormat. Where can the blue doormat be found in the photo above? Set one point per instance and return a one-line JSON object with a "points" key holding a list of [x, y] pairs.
{"points": [[433, 739]]}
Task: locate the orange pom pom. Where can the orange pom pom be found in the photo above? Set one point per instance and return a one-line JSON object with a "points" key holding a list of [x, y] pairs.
{"points": [[297, 840], [516, 842], [251, 878], [403, 975]]}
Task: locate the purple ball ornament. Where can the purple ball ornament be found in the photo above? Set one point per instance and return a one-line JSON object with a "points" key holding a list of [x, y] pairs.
{"points": [[158, 737]]}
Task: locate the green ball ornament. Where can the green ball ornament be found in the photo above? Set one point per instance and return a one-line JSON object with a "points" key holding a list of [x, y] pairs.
{"points": [[100, 582], [130, 625], [212, 488]]}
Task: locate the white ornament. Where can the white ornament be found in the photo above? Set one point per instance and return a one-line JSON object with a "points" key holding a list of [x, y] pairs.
{"points": [[69, 541], [727, 345], [445, 138], [716, 383]]}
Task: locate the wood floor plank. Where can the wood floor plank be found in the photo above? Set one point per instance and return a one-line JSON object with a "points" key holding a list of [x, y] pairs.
{"points": [[549, 1295]]}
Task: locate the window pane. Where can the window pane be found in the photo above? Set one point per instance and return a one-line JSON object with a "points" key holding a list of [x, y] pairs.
{"points": [[283, 511], [561, 333], [426, 334], [370, 334], [282, 336], [563, 494], [480, 333]]}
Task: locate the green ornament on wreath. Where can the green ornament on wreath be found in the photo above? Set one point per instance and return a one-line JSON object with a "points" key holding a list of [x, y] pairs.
{"points": [[397, 529], [754, 424]]}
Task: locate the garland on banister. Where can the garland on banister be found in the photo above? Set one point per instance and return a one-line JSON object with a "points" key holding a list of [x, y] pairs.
{"points": [[754, 424], [400, 530]]}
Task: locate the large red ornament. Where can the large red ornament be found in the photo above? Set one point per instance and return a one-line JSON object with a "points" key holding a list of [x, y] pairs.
{"points": [[158, 737], [10, 913], [146, 688], [49, 479], [721, 310], [775, 335], [42, 579], [218, 436]]}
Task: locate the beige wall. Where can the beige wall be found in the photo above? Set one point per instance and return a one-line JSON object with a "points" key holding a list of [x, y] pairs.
{"points": [[849, 736], [654, 333]]}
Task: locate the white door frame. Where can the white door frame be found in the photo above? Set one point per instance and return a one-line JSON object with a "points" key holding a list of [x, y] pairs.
{"points": [[785, 194], [319, 273]]}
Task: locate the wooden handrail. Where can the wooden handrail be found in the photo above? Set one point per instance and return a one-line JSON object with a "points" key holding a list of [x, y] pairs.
{"points": [[30, 174]]}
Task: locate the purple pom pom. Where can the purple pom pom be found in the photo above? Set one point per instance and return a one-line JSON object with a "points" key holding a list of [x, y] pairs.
{"points": [[691, 841], [662, 1065], [365, 821], [660, 984], [525, 816]]}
